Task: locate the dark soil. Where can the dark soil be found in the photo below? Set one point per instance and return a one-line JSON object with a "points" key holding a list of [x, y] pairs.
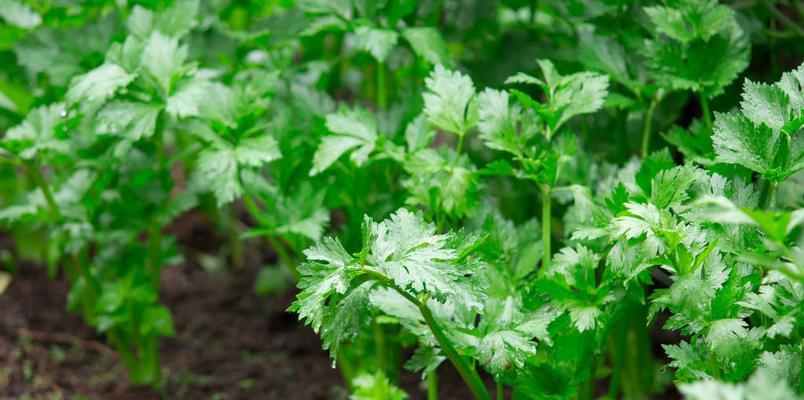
{"points": [[229, 343]]}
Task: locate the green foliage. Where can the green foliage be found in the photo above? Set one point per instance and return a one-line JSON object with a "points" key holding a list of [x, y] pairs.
{"points": [[404, 250], [567, 96], [529, 228], [353, 129], [375, 387], [762, 384], [19, 14], [449, 103], [766, 135], [697, 45]]}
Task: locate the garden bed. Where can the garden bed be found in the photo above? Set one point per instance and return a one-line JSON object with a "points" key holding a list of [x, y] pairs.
{"points": [[228, 342]]}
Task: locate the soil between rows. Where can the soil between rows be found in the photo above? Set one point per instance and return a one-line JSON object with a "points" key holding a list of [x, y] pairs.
{"points": [[229, 343]]}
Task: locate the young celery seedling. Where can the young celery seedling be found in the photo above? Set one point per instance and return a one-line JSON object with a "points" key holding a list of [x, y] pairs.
{"points": [[528, 130]]}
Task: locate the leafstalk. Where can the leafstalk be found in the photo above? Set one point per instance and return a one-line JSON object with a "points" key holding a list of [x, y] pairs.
{"points": [[284, 256], [143, 365], [587, 389], [432, 386], [630, 355], [154, 230], [234, 238], [128, 358], [467, 372], [617, 359], [279, 249], [458, 149], [154, 250], [379, 343], [714, 366], [705, 110], [382, 95], [56, 214], [546, 228], [36, 175], [500, 391], [768, 200], [344, 364], [772, 196], [150, 361], [648, 123]]}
